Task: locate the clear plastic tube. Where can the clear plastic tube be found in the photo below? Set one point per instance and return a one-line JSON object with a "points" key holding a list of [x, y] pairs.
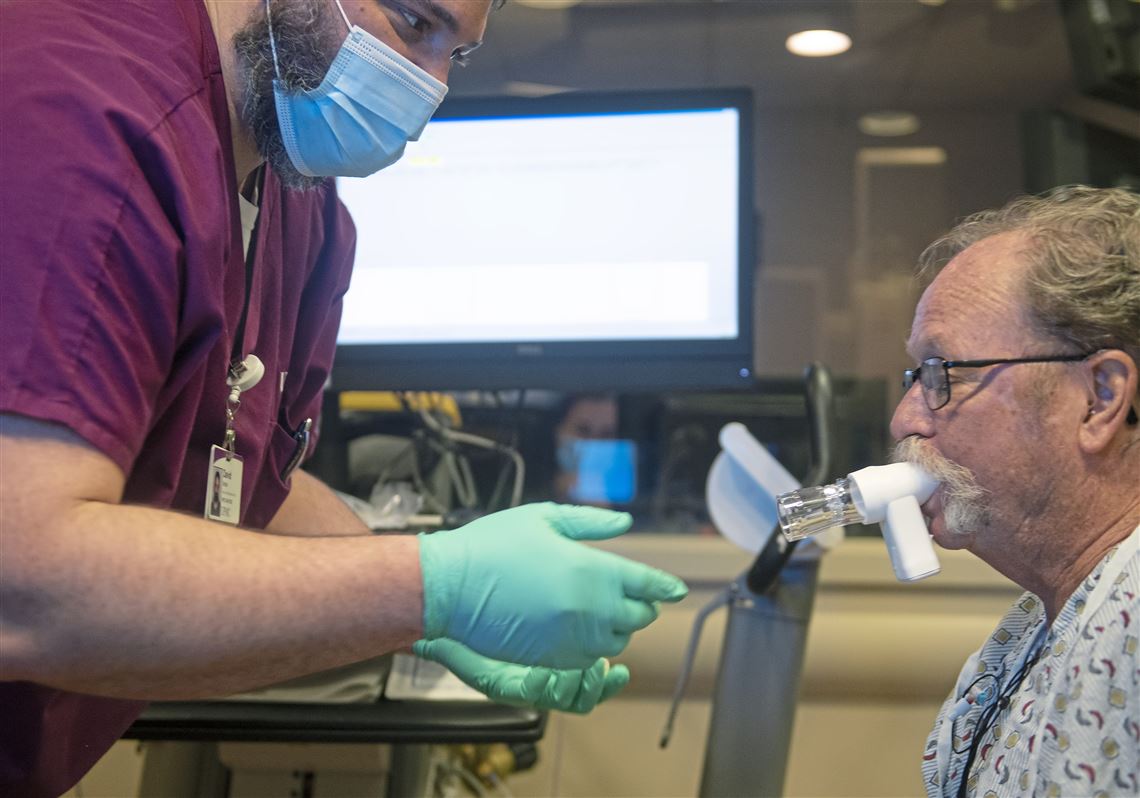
{"points": [[808, 511]]}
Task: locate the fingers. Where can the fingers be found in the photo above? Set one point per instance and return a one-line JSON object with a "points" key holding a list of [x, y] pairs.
{"points": [[562, 687], [498, 681], [614, 646], [586, 523], [577, 691], [590, 689], [633, 615], [454, 656], [650, 584], [616, 679], [535, 688], [505, 682], [494, 596]]}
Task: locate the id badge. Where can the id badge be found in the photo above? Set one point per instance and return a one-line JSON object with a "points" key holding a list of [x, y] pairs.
{"points": [[223, 486]]}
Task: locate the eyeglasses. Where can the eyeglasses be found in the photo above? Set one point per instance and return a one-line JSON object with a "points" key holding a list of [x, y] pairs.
{"points": [[934, 373]]}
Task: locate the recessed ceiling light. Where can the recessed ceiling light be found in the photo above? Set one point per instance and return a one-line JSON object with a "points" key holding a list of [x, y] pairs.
{"points": [[818, 43], [550, 5], [889, 123]]}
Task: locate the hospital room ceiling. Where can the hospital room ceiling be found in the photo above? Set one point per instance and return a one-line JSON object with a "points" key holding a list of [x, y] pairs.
{"points": [[968, 54]]}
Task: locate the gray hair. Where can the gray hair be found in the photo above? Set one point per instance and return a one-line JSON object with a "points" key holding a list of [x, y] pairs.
{"points": [[308, 37], [1083, 281]]}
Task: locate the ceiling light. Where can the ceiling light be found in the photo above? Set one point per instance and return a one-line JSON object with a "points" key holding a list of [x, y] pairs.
{"points": [[550, 5], [817, 43], [888, 123]]}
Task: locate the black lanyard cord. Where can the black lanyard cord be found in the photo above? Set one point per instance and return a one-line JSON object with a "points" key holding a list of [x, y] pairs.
{"points": [[989, 715], [237, 352]]}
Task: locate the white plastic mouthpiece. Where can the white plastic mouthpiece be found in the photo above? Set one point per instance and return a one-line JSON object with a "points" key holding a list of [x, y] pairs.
{"points": [[874, 488], [888, 495]]}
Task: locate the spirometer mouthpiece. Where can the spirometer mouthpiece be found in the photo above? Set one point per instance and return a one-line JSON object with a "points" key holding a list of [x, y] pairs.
{"points": [[887, 495]]}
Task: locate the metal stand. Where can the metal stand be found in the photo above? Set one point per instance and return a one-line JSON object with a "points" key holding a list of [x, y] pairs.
{"points": [[769, 607], [757, 685]]}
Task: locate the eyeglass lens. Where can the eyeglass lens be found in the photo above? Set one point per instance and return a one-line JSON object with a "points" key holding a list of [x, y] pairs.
{"points": [[935, 382]]}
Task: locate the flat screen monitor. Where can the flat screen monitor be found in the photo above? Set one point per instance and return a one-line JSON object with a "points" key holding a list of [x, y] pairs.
{"points": [[571, 242]]}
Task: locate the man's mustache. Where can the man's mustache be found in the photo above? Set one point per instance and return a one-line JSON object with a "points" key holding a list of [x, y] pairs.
{"points": [[958, 482]]}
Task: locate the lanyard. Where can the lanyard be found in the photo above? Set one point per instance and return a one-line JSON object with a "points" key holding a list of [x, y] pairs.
{"points": [[244, 371], [226, 467], [237, 351]]}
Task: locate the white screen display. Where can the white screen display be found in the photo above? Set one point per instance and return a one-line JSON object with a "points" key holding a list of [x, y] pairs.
{"points": [[618, 227]]}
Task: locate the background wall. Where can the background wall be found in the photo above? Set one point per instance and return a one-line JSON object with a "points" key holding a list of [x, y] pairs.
{"points": [[839, 236]]}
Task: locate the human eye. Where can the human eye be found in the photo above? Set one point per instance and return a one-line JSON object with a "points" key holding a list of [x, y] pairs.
{"points": [[413, 20], [961, 375]]}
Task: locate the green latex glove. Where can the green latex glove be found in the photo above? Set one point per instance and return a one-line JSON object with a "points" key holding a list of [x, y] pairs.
{"points": [[515, 586], [530, 686]]}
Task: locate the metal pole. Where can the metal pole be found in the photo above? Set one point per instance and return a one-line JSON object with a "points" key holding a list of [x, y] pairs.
{"points": [[757, 685]]}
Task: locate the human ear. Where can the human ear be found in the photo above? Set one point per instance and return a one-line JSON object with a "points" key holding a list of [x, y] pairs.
{"points": [[1110, 409]]}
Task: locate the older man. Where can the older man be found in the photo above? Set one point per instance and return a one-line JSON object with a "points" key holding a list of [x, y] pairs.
{"points": [[174, 255], [1024, 402]]}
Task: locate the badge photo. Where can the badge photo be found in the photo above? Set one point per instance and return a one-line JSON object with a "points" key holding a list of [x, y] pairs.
{"points": [[223, 486]]}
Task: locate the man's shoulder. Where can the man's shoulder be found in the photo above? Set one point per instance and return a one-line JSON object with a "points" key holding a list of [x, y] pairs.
{"points": [[109, 98], [1110, 595], [141, 58]]}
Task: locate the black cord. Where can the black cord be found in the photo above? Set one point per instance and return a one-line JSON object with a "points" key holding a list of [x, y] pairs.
{"points": [[969, 689], [237, 348], [989, 715]]}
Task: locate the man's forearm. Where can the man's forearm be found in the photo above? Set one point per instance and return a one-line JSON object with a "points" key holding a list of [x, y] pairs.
{"points": [[312, 508], [143, 603]]}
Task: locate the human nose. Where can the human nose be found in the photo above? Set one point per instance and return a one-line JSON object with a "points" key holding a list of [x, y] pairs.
{"points": [[911, 416], [438, 66]]}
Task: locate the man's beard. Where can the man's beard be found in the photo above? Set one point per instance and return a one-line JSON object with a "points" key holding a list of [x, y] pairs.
{"points": [[308, 36], [965, 509]]}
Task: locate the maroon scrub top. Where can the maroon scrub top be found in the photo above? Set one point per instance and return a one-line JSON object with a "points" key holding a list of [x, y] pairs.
{"points": [[122, 285]]}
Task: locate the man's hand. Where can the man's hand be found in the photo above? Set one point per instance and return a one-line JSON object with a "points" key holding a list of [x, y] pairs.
{"points": [[528, 686], [517, 586]]}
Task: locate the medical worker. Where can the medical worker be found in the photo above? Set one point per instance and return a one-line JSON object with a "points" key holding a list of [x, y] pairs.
{"points": [[173, 261]]}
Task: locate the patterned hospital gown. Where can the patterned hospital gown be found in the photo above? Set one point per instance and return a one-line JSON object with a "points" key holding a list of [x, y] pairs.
{"points": [[1072, 728]]}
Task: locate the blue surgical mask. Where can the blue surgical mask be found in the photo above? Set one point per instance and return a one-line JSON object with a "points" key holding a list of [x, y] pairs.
{"points": [[566, 454], [604, 470], [370, 104]]}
